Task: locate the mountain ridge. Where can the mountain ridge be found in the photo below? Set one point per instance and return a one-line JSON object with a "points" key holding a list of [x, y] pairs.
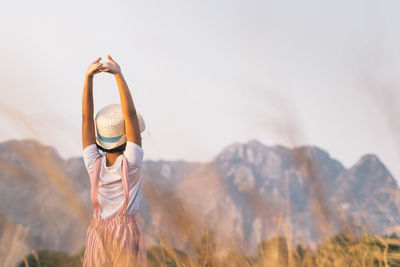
{"points": [[247, 186]]}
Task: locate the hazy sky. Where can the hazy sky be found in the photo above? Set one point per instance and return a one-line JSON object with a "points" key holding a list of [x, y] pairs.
{"points": [[205, 74]]}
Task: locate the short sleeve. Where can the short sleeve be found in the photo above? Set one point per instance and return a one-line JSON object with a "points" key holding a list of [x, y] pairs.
{"points": [[133, 153], [90, 154]]}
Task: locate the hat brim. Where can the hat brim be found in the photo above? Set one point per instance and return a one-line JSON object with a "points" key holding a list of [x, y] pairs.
{"points": [[111, 145]]}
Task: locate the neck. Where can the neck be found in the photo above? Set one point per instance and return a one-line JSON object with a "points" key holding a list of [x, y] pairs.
{"points": [[111, 158]]}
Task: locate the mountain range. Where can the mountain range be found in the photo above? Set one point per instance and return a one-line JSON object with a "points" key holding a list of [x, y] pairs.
{"points": [[247, 193]]}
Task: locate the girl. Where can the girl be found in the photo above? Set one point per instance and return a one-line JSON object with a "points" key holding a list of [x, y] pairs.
{"points": [[114, 236]]}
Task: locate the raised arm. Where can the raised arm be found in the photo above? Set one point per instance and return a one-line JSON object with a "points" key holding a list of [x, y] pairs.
{"points": [[128, 107], [88, 129]]}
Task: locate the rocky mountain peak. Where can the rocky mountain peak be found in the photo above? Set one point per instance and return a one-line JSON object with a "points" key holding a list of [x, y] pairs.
{"points": [[366, 178], [369, 167], [370, 159]]}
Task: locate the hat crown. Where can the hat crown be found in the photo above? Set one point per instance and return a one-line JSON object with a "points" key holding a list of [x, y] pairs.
{"points": [[110, 126], [110, 115]]}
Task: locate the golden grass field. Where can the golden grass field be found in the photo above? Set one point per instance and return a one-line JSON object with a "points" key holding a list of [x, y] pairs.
{"points": [[350, 248]]}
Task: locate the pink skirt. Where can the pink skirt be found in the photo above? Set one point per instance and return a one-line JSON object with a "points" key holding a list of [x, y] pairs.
{"points": [[117, 241]]}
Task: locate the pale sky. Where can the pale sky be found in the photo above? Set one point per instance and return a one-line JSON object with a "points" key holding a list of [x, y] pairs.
{"points": [[206, 74]]}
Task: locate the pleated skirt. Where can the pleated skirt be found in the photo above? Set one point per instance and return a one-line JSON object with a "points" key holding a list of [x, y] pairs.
{"points": [[117, 241]]}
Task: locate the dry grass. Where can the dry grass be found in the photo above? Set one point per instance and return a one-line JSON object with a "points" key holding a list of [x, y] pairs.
{"points": [[184, 230]]}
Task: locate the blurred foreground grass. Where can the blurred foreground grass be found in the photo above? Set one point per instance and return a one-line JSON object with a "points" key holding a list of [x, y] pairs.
{"points": [[367, 249]]}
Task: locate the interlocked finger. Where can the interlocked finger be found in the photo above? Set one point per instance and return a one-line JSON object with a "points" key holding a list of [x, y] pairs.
{"points": [[97, 60]]}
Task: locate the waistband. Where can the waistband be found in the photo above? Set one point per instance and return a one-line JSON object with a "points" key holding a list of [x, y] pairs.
{"points": [[117, 220]]}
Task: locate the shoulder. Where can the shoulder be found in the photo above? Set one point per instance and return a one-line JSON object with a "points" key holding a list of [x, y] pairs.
{"points": [[90, 147], [133, 153], [90, 154], [133, 146]]}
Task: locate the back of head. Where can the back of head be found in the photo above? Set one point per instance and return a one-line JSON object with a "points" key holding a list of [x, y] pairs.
{"points": [[110, 127]]}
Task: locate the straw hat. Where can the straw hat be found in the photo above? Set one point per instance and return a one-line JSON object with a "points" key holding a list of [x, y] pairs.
{"points": [[110, 126]]}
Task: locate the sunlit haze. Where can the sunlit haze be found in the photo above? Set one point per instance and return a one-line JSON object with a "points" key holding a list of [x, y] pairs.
{"points": [[206, 74]]}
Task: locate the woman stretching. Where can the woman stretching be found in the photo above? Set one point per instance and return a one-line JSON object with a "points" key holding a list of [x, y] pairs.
{"points": [[114, 236]]}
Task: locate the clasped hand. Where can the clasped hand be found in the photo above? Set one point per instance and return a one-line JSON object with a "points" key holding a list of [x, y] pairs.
{"points": [[96, 67]]}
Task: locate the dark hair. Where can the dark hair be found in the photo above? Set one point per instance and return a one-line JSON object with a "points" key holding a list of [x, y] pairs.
{"points": [[120, 148]]}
